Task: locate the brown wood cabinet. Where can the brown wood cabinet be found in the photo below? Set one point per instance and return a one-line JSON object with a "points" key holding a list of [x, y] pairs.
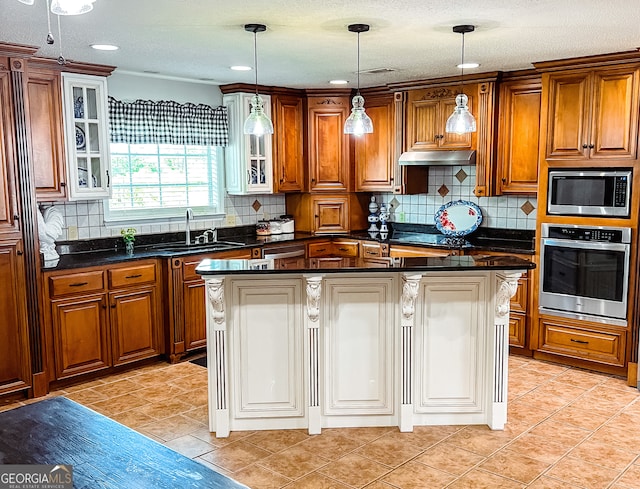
{"points": [[186, 302], [103, 318], [518, 136], [582, 343], [288, 143], [329, 164], [374, 153], [47, 134], [9, 225], [427, 114], [592, 114], [328, 213], [15, 371]]}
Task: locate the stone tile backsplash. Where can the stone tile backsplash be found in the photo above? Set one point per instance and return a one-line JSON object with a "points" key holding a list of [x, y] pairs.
{"points": [[447, 183], [85, 219]]}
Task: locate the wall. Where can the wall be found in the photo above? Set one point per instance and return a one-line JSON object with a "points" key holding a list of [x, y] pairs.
{"points": [[448, 183], [85, 219]]}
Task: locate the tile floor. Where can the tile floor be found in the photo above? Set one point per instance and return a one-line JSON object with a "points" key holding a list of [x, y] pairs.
{"points": [[567, 428]]}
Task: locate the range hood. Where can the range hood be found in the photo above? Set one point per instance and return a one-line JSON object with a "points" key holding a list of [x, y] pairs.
{"points": [[438, 158]]}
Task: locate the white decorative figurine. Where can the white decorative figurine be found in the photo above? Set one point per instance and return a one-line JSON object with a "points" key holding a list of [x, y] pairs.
{"points": [[373, 218], [50, 226], [384, 217]]}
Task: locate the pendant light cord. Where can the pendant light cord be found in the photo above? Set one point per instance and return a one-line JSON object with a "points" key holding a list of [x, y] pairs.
{"points": [[255, 56], [358, 57], [462, 67]]}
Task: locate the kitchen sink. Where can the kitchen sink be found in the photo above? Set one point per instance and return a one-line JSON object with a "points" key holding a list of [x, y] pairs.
{"points": [[180, 247]]}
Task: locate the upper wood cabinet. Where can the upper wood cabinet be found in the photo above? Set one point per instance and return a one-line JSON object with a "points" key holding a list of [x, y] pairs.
{"points": [[374, 153], [47, 134], [288, 143], [427, 114], [9, 222], [592, 114], [518, 136], [329, 165]]}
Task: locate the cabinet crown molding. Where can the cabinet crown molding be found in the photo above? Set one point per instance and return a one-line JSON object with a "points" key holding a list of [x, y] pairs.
{"points": [[611, 59]]}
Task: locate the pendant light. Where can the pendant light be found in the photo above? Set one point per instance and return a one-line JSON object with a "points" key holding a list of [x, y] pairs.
{"points": [[71, 7], [461, 121], [258, 123], [358, 123]]}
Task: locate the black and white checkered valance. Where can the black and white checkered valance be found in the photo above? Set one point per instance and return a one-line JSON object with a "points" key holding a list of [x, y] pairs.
{"points": [[167, 122]]}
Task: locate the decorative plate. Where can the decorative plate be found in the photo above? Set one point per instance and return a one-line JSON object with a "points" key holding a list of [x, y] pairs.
{"points": [[81, 143], [78, 108], [458, 218]]}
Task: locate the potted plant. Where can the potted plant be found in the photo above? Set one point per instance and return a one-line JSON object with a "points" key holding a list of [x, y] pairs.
{"points": [[128, 236]]}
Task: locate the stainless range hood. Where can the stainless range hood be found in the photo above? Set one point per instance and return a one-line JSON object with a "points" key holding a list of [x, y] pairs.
{"points": [[438, 158]]}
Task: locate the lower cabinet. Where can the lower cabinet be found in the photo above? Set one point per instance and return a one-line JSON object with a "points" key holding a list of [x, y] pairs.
{"points": [[103, 318], [578, 341], [186, 299], [15, 367]]}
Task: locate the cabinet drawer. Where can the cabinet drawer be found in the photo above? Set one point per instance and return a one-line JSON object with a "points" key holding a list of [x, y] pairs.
{"points": [[520, 298], [517, 330], [125, 277], [345, 248], [76, 283], [371, 250], [604, 346], [319, 249]]}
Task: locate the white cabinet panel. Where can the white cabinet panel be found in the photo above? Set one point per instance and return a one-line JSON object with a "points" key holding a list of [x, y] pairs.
{"points": [[450, 343], [267, 342], [359, 341]]}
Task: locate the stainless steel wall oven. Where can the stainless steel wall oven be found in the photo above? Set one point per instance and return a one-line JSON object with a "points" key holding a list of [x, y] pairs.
{"points": [[584, 272]]}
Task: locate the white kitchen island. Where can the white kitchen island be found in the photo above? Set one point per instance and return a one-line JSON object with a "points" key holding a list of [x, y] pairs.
{"points": [[422, 341]]}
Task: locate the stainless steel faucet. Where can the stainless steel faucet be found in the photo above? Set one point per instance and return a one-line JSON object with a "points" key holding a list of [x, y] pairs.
{"points": [[214, 235], [187, 223]]}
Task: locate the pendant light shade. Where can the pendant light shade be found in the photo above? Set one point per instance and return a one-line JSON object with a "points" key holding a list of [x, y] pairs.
{"points": [[258, 123], [71, 7], [358, 123], [462, 120]]}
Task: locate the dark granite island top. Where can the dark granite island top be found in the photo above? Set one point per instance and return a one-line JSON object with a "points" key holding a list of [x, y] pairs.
{"points": [[210, 267]]}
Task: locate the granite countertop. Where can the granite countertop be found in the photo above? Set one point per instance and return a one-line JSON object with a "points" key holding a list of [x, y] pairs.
{"points": [[106, 251], [209, 267]]}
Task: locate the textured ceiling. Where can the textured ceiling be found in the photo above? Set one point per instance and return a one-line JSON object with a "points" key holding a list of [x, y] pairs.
{"points": [[307, 43]]}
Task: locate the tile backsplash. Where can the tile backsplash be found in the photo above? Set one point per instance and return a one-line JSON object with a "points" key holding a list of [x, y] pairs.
{"points": [[85, 219], [447, 183]]}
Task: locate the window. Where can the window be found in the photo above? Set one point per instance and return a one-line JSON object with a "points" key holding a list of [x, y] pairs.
{"points": [[151, 181]]}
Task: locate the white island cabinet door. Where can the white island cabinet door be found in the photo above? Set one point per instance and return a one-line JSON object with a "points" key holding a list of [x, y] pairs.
{"points": [[267, 343], [359, 358], [451, 364]]}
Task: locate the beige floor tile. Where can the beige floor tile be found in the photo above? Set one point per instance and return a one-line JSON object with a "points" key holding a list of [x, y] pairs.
{"points": [[87, 396], [235, 456], [389, 451], [354, 470], [190, 446], [378, 485], [581, 418], [480, 440], [559, 389], [581, 378], [539, 448], [211, 438], [449, 458], [118, 404], [522, 412], [479, 479], [133, 418], [363, 435], [319, 481], [630, 478], [515, 466], [624, 439], [277, 440], [565, 434], [545, 482], [161, 392], [424, 436], [603, 454], [331, 445], [191, 382], [172, 427], [165, 408], [200, 414], [83, 385], [294, 462], [414, 475], [623, 420], [257, 477], [118, 388], [583, 474], [549, 403]]}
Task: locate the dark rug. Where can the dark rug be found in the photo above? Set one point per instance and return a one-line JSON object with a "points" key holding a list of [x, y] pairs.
{"points": [[103, 453], [202, 361]]}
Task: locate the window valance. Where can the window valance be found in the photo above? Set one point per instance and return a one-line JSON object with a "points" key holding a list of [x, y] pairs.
{"points": [[167, 122]]}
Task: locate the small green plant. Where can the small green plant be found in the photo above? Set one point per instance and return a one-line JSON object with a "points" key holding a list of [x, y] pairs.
{"points": [[128, 235]]}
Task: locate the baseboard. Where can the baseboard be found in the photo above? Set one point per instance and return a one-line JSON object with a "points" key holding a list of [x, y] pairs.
{"points": [[40, 385], [632, 374]]}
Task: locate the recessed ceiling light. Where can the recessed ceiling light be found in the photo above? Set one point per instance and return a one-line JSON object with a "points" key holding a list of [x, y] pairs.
{"points": [[469, 65], [241, 68], [338, 82], [105, 47]]}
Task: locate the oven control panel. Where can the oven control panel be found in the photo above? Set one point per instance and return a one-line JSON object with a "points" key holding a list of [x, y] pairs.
{"points": [[582, 233]]}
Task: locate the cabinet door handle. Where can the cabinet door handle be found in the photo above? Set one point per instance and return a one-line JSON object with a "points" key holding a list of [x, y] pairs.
{"points": [[62, 184], [321, 249], [504, 180], [585, 146], [19, 252], [113, 306], [343, 249], [582, 342], [78, 284], [371, 253], [591, 146], [16, 217], [108, 179], [134, 276]]}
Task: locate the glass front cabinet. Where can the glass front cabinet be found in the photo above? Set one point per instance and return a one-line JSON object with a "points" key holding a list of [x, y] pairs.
{"points": [[248, 158], [86, 135]]}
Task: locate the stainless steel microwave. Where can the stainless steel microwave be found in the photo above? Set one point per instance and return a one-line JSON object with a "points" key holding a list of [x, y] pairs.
{"points": [[589, 192]]}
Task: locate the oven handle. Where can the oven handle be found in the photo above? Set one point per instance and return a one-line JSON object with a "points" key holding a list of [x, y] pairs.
{"points": [[587, 245]]}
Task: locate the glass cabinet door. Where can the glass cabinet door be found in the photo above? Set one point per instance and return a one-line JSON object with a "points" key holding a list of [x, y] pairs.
{"points": [[87, 142]]}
